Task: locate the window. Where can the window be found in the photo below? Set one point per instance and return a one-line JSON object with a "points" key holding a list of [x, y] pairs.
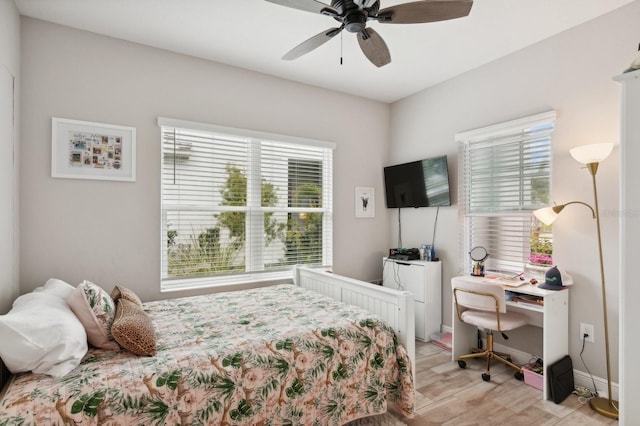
{"points": [[506, 175], [241, 206]]}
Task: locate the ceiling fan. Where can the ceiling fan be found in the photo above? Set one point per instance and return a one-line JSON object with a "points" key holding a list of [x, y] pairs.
{"points": [[354, 14]]}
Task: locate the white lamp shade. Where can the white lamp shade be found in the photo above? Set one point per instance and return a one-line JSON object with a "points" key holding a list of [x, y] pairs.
{"points": [[546, 215], [594, 153]]}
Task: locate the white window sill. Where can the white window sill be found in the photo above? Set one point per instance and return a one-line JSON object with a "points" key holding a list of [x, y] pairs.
{"points": [[240, 280]]}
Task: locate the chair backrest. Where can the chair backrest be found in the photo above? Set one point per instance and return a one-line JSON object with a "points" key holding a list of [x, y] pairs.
{"points": [[484, 305], [479, 296]]}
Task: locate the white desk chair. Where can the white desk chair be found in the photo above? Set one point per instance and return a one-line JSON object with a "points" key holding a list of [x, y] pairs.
{"points": [[483, 305]]}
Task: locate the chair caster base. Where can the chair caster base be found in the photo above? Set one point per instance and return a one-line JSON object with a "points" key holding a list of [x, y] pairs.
{"points": [[486, 377], [518, 375], [462, 364]]}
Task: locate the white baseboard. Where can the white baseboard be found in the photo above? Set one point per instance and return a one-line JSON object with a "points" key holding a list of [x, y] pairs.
{"points": [[580, 378]]}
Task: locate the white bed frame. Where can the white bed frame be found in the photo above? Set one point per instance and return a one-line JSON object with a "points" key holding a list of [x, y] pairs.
{"points": [[393, 306]]}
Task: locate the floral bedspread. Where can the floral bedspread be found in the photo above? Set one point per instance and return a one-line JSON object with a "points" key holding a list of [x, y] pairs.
{"points": [[279, 355]]}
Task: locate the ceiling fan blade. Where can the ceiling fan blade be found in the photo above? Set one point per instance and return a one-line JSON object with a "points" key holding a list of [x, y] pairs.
{"points": [[418, 12], [312, 43], [374, 47], [313, 6]]}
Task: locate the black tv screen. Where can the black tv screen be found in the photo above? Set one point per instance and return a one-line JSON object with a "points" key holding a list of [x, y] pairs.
{"points": [[423, 183]]}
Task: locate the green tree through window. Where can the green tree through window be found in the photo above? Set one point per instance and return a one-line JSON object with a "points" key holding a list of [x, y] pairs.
{"points": [[301, 234]]}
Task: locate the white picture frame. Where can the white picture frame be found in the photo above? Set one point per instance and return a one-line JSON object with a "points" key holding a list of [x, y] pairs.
{"points": [[88, 150], [365, 202]]}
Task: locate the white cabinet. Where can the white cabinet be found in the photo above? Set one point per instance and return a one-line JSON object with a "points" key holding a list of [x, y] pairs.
{"points": [[424, 280], [629, 231]]}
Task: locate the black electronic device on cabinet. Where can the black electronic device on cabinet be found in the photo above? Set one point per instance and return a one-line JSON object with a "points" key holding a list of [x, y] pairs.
{"points": [[404, 254]]}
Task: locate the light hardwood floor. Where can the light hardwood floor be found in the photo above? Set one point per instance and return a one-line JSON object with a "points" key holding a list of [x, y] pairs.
{"points": [[449, 395]]}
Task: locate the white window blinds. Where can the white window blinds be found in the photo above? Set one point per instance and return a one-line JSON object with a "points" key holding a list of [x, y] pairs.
{"points": [[240, 205], [506, 174]]}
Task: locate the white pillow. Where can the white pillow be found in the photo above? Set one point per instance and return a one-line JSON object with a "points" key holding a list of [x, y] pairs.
{"points": [[56, 287], [41, 334]]}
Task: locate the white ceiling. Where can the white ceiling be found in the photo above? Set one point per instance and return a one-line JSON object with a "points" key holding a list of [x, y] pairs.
{"points": [[255, 34]]}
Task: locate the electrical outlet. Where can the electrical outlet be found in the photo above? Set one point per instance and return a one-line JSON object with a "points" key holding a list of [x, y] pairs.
{"points": [[588, 330]]}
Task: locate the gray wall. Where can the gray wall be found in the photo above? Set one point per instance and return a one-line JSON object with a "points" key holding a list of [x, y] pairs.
{"points": [[9, 152], [572, 74], [109, 232]]}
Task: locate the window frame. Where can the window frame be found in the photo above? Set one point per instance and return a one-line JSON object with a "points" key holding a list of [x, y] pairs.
{"points": [[511, 216], [252, 273]]}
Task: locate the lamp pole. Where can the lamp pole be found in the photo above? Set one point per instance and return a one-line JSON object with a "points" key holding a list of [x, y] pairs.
{"points": [[606, 407], [591, 156]]}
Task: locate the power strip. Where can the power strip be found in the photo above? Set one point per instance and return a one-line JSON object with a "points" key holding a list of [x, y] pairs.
{"points": [[583, 392]]}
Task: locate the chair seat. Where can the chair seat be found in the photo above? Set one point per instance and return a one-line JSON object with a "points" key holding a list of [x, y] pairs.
{"points": [[487, 320]]}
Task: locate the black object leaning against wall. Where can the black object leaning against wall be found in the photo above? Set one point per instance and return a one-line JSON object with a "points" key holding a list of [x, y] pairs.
{"points": [[561, 379]]}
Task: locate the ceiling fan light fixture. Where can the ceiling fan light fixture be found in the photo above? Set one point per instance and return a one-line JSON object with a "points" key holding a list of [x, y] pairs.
{"points": [[355, 22]]}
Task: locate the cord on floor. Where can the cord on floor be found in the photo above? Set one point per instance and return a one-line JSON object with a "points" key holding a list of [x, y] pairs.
{"points": [[585, 394]]}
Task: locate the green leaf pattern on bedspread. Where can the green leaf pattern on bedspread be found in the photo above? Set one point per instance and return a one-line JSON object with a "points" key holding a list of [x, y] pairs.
{"points": [[278, 355]]}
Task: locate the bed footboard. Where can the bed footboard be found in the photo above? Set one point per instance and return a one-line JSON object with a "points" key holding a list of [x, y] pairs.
{"points": [[395, 307]]}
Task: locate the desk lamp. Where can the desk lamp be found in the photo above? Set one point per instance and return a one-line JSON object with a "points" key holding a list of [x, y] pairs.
{"points": [[591, 156]]}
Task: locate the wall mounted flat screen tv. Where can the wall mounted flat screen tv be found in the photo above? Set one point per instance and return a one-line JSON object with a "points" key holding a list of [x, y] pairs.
{"points": [[423, 183]]}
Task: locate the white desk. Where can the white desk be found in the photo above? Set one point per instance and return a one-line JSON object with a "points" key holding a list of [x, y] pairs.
{"points": [[552, 316]]}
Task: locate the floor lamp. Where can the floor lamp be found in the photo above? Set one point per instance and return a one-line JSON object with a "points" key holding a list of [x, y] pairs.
{"points": [[591, 156]]}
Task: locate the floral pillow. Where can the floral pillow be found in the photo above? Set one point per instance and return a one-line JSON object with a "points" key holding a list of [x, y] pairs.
{"points": [[95, 309]]}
